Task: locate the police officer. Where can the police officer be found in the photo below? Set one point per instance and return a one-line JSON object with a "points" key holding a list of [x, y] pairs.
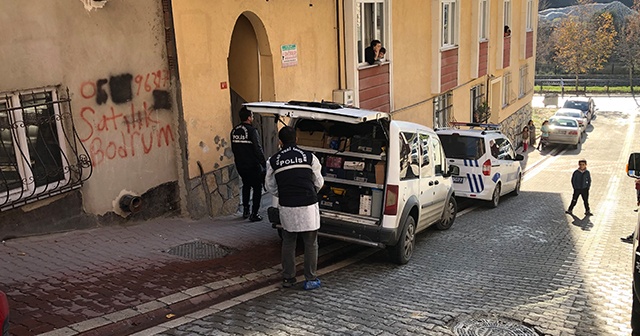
{"points": [[250, 163], [294, 176]]}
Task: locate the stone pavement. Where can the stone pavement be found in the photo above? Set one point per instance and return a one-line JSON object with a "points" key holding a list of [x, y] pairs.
{"points": [[121, 279]]}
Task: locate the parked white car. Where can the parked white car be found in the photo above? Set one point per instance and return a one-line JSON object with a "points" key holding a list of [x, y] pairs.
{"points": [[385, 180], [573, 113], [584, 104], [487, 164], [564, 130]]}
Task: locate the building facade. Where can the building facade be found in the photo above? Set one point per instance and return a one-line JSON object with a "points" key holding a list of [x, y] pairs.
{"points": [[114, 111]]}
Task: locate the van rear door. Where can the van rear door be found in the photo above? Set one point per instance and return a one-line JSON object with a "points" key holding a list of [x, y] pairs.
{"points": [[316, 111]]}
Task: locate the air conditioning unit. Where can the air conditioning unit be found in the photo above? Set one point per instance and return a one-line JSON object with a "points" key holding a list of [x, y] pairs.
{"points": [[93, 4], [344, 97]]}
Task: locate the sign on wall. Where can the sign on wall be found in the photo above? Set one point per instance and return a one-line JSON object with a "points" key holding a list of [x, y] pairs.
{"points": [[289, 55]]}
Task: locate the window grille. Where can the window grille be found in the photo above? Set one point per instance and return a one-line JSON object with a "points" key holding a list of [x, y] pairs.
{"points": [[41, 154], [442, 108]]}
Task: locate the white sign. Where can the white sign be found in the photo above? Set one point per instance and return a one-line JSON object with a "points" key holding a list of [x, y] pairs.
{"points": [[289, 55]]}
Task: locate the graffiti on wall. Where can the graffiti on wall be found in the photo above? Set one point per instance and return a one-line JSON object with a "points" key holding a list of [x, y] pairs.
{"points": [[119, 116]]}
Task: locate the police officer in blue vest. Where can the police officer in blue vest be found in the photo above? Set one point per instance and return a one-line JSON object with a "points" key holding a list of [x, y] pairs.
{"points": [[295, 177], [250, 163]]}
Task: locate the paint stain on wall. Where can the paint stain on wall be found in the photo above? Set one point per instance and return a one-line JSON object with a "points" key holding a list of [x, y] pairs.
{"points": [[120, 87], [101, 94], [161, 100], [228, 153]]}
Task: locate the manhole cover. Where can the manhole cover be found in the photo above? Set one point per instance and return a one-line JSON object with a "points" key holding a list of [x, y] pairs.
{"points": [[492, 327], [200, 250]]}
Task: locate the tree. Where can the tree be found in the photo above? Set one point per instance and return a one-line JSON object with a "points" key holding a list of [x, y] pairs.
{"points": [[584, 45], [628, 49], [544, 46]]}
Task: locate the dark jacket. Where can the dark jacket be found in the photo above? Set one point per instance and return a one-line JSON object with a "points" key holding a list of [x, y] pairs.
{"points": [[581, 180], [294, 176], [247, 151], [370, 55]]}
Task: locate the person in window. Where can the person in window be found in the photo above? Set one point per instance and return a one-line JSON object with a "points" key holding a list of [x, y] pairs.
{"points": [[507, 31], [495, 151], [371, 52], [381, 53]]}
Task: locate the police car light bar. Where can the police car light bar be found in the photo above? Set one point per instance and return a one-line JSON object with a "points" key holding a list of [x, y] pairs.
{"points": [[472, 125]]}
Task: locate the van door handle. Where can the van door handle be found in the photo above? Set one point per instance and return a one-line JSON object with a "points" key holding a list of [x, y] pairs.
{"points": [[430, 183]]}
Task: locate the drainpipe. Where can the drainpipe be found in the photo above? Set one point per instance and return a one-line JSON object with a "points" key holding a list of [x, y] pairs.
{"points": [[338, 40], [183, 162]]}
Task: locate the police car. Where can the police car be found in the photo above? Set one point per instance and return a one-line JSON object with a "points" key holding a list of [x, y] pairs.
{"points": [[486, 160]]}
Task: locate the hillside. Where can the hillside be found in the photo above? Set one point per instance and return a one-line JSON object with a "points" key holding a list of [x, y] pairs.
{"points": [[618, 8], [565, 3]]}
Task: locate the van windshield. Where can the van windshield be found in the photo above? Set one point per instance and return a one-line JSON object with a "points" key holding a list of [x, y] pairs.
{"points": [[462, 147]]}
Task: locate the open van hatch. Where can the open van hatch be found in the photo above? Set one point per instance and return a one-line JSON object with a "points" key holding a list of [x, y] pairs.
{"points": [[323, 111]]}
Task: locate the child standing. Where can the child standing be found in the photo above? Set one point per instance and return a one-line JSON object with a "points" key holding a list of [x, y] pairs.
{"points": [[544, 134], [581, 182], [525, 138]]}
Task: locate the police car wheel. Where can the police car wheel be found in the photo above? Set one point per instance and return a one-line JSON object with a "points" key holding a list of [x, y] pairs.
{"points": [[516, 191], [495, 199]]}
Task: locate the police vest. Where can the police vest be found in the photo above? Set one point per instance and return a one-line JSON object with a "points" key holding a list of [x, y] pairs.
{"points": [[293, 171]]}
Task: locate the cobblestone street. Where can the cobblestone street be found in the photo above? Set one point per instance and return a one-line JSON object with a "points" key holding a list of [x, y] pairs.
{"points": [[526, 261]]}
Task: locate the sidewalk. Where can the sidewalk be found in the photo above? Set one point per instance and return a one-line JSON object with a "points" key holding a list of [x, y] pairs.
{"points": [[121, 279]]}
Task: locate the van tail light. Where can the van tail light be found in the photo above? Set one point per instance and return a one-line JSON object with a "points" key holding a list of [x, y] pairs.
{"points": [[573, 132], [391, 203], [486, 168]]}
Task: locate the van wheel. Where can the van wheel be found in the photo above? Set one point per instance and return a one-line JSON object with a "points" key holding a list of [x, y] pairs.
{"points": [[495, 199], [403, 250], [448, 215], [516, 191]]}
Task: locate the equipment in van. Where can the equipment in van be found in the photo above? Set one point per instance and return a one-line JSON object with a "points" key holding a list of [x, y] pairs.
{"points": [[368, 197]]}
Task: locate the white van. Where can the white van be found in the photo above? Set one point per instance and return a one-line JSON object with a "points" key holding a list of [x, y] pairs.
{"points": [[385, 180]]}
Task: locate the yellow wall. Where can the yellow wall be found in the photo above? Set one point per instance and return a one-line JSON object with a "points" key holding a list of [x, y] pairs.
{"points": [[59, 43], [416, 39], [203, 38]]}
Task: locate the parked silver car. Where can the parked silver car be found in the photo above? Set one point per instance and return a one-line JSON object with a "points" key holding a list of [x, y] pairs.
{"points": [[564, 130], [573, 113]]}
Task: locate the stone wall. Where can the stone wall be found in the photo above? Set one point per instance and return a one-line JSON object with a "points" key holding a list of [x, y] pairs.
{"points": [[215, 193], [513, 125]]}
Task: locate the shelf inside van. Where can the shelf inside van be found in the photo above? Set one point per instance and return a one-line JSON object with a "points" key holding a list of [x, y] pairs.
{"points": [[355, 183], [353, 154]]}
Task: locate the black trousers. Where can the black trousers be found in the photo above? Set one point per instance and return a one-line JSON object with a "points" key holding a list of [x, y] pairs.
{"points": [[251, 179], [585, 198]]}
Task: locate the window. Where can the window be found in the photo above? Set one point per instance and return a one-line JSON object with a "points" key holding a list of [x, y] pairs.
{"points": [[529, 15], [425, 167], [507, 15], [462, 147], [505, 150], [524, 80], [449, 23], [506, 89], [37, 156], [484, 20], [477, 97], [442, 105], [438, 159], [409, 156], [370, 24]]}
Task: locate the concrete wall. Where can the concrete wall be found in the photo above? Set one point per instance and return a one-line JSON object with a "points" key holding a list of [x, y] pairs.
{"points": [[111, 60]]}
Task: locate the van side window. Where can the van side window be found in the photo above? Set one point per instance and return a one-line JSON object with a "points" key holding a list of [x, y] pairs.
{"points": [[425, 167], [409, 156], [437, 156], [506, 151]]}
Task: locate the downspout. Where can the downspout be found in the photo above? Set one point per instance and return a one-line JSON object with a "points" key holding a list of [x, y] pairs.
{"points": [[338, 40], [172, 60]]}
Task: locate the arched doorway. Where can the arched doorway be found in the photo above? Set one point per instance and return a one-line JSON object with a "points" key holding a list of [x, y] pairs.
{"points": [[250, 66]]}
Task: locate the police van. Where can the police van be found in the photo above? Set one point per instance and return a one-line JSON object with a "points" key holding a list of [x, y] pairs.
{"points": [[486, 163], [385, 180]]}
